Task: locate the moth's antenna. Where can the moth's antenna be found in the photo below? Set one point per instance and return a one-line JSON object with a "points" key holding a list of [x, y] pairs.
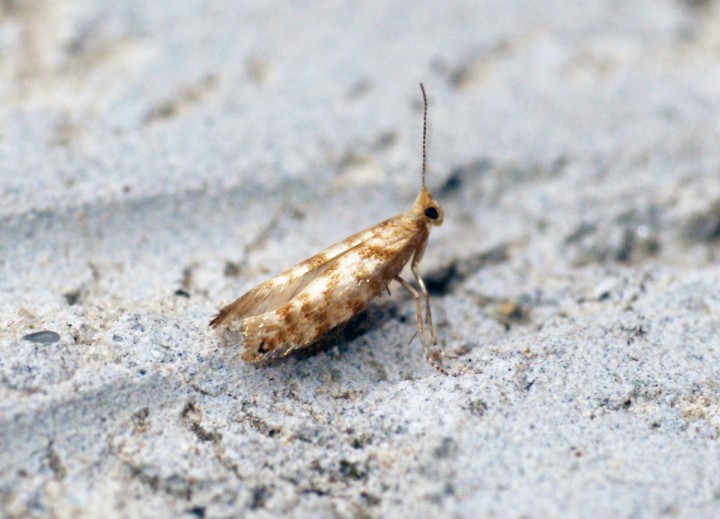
{"points": [[424, 149]]}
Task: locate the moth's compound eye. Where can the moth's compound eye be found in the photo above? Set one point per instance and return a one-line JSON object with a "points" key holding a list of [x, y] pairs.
{"points": [[431, 213]]}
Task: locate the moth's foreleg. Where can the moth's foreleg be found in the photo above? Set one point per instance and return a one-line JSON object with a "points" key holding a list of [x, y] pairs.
{"points": [[426, 296], [432, 357]]}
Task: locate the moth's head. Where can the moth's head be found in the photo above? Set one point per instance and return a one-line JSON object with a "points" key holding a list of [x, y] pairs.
{"points": [[425, 207], [428, 208]]}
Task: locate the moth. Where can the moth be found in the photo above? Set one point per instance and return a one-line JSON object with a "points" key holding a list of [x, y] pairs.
{"points": [[295, 308]]}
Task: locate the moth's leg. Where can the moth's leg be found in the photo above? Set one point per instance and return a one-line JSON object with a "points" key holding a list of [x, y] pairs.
{"points": [[418, 309], [428, 314], [432, 358]]}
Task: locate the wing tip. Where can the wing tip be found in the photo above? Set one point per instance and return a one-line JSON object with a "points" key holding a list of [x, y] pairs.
{"points": [[217, 320], [252, 335], [224, 315]]}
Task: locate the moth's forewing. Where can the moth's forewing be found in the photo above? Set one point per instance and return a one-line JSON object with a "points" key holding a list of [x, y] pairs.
{"points": [[277, 291], [344, 286]]}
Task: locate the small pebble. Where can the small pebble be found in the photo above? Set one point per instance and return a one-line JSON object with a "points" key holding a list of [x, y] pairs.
{"points": [[44, 337]]}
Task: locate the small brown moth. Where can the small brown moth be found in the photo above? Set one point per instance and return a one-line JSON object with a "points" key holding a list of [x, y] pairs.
{"points": [[295, 308]]}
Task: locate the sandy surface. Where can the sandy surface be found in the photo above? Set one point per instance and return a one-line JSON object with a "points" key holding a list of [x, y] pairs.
{"points": [[157, 159]]}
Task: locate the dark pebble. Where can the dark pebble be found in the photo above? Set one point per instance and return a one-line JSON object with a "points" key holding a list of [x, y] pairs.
{"points": [[44, 337]]}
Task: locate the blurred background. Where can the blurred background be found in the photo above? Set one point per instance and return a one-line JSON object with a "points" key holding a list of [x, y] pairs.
{"points": [[125, 121]]}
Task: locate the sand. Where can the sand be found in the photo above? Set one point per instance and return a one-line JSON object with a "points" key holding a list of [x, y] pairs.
{"points": [[157, 159]]}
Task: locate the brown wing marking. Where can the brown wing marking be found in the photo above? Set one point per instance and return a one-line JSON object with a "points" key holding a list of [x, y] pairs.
{"points": [[275, 334], [277, 291]]}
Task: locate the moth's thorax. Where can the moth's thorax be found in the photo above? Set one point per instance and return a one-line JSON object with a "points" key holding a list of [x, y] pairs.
{"points": [[427, 209]]}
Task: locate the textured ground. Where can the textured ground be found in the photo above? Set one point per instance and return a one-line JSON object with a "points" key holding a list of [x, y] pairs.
{"points": [[159, 158]]}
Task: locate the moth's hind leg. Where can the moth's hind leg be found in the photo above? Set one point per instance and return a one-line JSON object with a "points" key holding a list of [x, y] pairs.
{"points": [[434, 357]]}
